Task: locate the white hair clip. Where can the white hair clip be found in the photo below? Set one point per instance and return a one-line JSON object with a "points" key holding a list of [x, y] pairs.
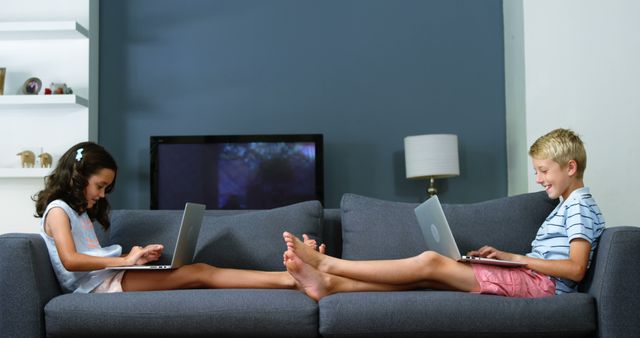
{"points": [[79, 154]]}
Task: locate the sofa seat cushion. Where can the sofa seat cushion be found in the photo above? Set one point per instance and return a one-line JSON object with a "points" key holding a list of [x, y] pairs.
{"points": [[455, 314], [183, 313]]}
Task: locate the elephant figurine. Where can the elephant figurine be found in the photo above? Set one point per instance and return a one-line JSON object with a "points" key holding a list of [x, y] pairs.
{"points": [[27, 158], [45, 160]]}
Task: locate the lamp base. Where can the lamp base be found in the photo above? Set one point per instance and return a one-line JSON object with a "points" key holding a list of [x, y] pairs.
{"points": [[431, 190]]}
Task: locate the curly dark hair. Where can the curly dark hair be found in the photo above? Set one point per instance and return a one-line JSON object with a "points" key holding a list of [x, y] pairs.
{"points": [[69, 179]]}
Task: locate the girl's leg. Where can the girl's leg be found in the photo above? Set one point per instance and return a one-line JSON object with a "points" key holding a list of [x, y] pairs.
{"points": [[426, 267], [205, 276]]}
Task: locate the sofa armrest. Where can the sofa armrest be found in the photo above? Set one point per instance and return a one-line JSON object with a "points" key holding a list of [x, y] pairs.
{"points": [[27, 283], [613, 281]]}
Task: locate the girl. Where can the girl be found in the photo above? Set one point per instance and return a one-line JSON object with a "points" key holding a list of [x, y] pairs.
{"points": [[74, 196]]}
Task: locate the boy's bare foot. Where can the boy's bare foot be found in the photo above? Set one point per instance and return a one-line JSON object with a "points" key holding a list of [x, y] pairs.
{"points": [[304, 252], [311, 281]]}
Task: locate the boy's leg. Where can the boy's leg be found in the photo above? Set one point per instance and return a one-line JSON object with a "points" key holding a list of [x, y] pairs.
{"points": [[426, 267], [205, 276], [317, 284]]}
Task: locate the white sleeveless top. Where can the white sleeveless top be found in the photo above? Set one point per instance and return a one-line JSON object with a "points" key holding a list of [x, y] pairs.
{"points": [[86, 242]]}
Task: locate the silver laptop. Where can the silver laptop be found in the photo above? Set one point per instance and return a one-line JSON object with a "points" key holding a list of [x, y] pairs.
{"points": [[437, 234], [186, 243]]}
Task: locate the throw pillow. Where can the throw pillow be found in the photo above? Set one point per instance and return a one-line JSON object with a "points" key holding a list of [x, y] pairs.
{"points": [[377, 229], [229, 239], [253, 240], [508, 223]]}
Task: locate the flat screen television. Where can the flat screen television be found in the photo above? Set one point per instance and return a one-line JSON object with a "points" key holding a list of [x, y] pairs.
{"points": [[236, 171]]}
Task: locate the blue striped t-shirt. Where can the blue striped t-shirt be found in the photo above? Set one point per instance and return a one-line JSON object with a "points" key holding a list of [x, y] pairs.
{"points": [[576, 217]]}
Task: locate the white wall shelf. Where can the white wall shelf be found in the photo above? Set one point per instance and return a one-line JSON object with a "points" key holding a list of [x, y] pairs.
{"points": [[24, 172], [42, 101], [36, 30], [57, 42]]}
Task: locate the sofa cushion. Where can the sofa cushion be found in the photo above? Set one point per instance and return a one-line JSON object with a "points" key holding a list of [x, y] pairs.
{"points": [[508, 223], [254, 240], [183, 313], [378, 229], [245, 239], [455, 314]]}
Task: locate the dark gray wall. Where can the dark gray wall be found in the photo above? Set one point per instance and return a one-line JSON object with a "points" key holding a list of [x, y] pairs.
{"points": [[365, 73]]}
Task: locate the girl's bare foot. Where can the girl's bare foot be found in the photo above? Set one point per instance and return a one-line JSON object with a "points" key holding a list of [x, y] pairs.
{"points": [[311, 281], [313, 244]]}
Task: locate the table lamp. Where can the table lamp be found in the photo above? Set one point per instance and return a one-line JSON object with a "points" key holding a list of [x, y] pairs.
{"points": [[431, 157]]}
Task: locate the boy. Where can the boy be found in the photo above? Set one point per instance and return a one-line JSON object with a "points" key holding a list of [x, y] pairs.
{"points": [[560, 256]]}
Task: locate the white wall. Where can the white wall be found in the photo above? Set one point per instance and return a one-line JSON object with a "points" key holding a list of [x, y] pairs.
{"points": [[518, 162], [581, 71], [54, 128]]}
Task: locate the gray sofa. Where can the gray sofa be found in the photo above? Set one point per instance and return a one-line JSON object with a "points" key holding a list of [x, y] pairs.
{"points": [[31, 304]]}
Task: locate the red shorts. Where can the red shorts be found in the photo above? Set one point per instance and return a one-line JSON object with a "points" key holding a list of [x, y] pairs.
{"points": [[513, 282]]}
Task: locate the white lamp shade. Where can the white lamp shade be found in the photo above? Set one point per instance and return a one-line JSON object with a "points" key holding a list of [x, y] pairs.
{"points": [[431, 156]]}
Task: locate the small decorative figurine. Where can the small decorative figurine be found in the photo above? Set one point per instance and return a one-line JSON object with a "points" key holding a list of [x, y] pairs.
{"points": [[58, 88], [3, 71], [45, 160], [32, 86], [27, 158]]}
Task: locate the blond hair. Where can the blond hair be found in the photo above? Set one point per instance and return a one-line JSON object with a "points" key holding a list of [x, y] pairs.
{"points": [[561, 146]]}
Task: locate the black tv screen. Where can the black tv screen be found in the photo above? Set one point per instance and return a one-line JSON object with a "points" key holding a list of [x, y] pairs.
{"points": [[236, 171]]}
